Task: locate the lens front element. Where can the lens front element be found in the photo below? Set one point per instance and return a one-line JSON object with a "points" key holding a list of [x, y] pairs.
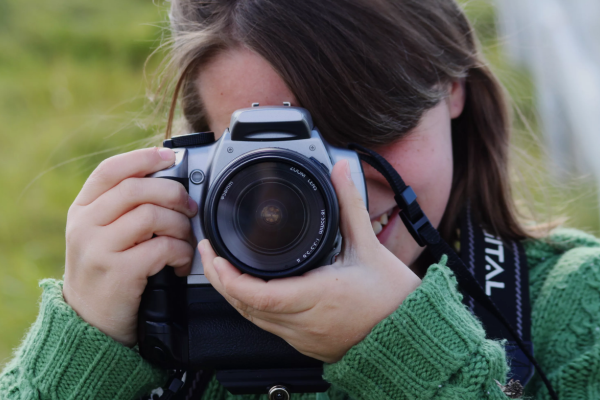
{"points": [[271, 214]]}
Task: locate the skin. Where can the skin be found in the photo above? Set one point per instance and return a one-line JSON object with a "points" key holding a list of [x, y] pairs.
{"points": [[111, 250]]}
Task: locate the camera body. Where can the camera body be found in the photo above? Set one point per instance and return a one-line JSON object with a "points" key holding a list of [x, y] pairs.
{"points": [[266, 204]]}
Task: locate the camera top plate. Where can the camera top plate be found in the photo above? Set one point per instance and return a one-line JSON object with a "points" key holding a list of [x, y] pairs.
{"points": [[271, 123]]}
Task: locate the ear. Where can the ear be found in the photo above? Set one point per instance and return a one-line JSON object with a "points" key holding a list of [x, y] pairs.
{"points": [[456, 99]]}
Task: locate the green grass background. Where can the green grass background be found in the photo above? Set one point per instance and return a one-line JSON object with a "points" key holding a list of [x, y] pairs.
{"points": [[72, 92]]}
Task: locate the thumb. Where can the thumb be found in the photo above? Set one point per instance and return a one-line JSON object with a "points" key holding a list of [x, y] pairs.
{"points": [[355, 224]]}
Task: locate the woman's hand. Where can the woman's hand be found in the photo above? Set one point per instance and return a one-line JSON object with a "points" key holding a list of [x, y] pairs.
{"points": [[326, 311], [111, 248]]}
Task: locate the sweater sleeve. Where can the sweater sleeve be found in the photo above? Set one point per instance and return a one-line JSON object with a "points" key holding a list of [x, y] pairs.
{"points": [[63, 357], [431, 347]]}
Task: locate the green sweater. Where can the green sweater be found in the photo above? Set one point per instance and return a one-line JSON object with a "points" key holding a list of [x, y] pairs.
{"points": [[431, 347]]}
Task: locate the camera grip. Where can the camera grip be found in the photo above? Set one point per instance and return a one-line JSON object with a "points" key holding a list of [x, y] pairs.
{"points": [[162, 329], [223, 339]]}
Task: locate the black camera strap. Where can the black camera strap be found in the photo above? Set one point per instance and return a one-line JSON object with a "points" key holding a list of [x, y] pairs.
{"points": [[500, 267], [425, 234]]}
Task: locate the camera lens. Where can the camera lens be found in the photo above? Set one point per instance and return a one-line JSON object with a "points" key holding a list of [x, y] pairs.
{"points": [[271, 212], [270, 215]]}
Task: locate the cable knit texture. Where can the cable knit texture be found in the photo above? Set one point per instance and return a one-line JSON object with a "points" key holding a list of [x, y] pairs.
{"points": [[431, 347], [62, 357]]}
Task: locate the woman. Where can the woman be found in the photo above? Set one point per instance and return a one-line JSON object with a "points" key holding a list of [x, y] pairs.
{"points": [[402, 77]]}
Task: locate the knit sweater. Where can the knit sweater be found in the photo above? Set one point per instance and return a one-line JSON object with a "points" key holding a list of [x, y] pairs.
{"points": [[431, 347]]}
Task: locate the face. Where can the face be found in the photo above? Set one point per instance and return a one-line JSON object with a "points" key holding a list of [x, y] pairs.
{"points": [[237, 77]]}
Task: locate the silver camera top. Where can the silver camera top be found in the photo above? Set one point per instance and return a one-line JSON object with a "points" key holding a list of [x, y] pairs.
{"points": [[271, 123]]}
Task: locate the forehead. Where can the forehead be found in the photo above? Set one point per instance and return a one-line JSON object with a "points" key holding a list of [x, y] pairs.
{"points": [[234, 79]]}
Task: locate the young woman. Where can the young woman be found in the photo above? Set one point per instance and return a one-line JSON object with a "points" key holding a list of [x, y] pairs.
{"points": [[402, 77]]}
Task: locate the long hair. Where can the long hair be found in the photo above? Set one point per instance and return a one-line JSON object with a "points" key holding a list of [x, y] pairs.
{"points": [[367, 70]]}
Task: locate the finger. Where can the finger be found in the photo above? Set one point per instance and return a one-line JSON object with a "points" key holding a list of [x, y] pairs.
{"points": [[355, 224], [113, 170], [208, 256], [281, 296], [145, 221], [150, 257], [132, 192]]}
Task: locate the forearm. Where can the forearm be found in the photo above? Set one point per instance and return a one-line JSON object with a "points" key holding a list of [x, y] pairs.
{"points": [[62, 357]]}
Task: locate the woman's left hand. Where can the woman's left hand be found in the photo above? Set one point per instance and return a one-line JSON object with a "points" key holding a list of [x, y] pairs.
{"points": [[326, 311]]}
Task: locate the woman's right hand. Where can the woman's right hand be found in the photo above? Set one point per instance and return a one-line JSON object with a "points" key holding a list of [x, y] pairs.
{"points": [[121, 229]]}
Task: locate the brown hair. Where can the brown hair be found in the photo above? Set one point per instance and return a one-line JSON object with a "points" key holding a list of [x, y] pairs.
{"points": [[367, 70]]}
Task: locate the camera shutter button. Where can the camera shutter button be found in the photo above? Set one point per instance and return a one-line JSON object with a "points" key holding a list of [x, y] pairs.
{"points": [[191, 140]]}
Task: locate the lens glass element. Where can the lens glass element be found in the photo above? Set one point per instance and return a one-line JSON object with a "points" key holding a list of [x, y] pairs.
{"points": [[271, 215], [264, 219]]}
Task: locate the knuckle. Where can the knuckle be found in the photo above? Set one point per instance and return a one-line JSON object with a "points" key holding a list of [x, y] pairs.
{"points": [[71, 224], [148, 217], [150, 213], [103, 171], [75, 229], [130, 188], [72, 232], [186, 254], [164, 244], [71, 212], [178, 197], [153, 156], [170, 245]]}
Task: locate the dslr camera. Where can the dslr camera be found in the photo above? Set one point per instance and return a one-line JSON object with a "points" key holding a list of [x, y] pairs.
{"points": [[266, 203]]}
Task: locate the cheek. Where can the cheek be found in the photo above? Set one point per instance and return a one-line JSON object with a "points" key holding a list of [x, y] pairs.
{"points": [[426, 164]]}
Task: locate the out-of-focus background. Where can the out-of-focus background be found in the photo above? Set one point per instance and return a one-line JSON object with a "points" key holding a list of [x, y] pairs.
{"points": [[73, 92]]}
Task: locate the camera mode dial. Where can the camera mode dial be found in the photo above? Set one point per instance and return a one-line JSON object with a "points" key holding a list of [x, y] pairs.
{"points": [[191, 140]]}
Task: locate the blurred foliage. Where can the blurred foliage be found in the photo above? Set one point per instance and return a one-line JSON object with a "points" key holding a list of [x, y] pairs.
{"points": [[72, 92], [542, 196]]}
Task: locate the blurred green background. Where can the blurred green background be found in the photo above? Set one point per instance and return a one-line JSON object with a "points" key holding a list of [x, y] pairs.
{"points": [[73, 92]]}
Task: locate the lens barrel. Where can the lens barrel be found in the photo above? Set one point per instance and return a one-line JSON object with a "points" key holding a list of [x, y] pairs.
{"points": [[272, 213]]}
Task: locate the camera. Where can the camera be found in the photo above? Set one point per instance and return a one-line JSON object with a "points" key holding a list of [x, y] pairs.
{"points": [[266, 204]]}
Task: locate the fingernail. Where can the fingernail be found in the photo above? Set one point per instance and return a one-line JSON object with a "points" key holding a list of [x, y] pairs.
{"points": [[192, 205], [166, 154]]}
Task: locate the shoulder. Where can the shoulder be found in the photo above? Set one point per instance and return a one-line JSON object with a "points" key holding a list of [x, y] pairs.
{"points": [[566, 256], [565, 294], [560, 242]]}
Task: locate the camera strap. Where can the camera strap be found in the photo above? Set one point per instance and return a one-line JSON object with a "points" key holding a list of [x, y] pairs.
{"points": [[425, 234], [500, 267]]}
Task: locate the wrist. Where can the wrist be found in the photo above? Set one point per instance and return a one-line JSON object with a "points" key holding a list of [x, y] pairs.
{"points": [[113, 328]]}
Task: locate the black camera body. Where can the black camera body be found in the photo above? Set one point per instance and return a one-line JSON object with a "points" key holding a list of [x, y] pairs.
{"points": [[266, 203]]}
